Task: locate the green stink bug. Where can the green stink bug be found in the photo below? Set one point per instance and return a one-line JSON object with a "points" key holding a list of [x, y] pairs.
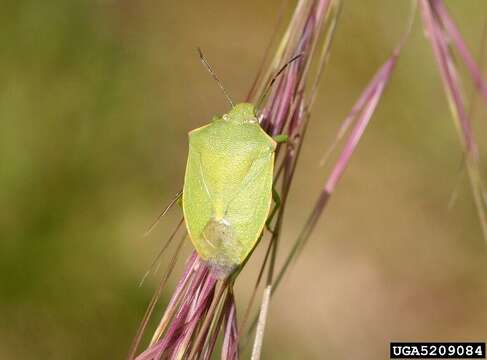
{"points": [[228, 187], [228, 183]]}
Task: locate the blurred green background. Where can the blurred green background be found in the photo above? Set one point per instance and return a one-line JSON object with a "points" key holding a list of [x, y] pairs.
{"points": [[96, 98]]}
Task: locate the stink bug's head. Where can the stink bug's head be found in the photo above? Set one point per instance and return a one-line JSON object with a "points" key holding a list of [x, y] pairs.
{"points": [[242, 113]]}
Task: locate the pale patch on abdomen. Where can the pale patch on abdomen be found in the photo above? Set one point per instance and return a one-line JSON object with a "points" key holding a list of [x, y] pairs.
{"points": [[222, 250]]}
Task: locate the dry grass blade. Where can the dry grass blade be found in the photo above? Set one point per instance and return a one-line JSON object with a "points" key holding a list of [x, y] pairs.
{"points": [[153, 302], [155, 263], [163, 213], [454, 35], [258, 77], [434, 17], [361, 114], [288, 110]]}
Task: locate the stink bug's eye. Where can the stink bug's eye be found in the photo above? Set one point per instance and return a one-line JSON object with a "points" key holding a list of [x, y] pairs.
{"points": [[243, 113]]}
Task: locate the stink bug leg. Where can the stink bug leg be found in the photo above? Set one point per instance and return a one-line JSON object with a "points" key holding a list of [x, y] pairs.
{"points": [[281, 138], [277, 204]]}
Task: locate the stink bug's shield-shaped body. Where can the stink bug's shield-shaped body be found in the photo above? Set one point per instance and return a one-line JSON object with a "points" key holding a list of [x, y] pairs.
{"points": [[228, 188]]}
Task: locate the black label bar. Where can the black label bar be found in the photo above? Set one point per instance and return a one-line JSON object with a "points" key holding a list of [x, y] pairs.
{"points": [[433, 350]]}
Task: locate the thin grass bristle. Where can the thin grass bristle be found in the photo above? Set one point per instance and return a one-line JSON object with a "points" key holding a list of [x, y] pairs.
{"points": [[440, 28]]}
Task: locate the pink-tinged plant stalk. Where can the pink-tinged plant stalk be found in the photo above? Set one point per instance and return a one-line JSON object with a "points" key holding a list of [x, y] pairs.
{"points": [[441, 31], [359, 116], [202, 308]]}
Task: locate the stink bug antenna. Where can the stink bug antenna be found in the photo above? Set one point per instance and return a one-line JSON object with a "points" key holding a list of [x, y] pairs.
{"points": [[274, 78], [213, 74]]}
